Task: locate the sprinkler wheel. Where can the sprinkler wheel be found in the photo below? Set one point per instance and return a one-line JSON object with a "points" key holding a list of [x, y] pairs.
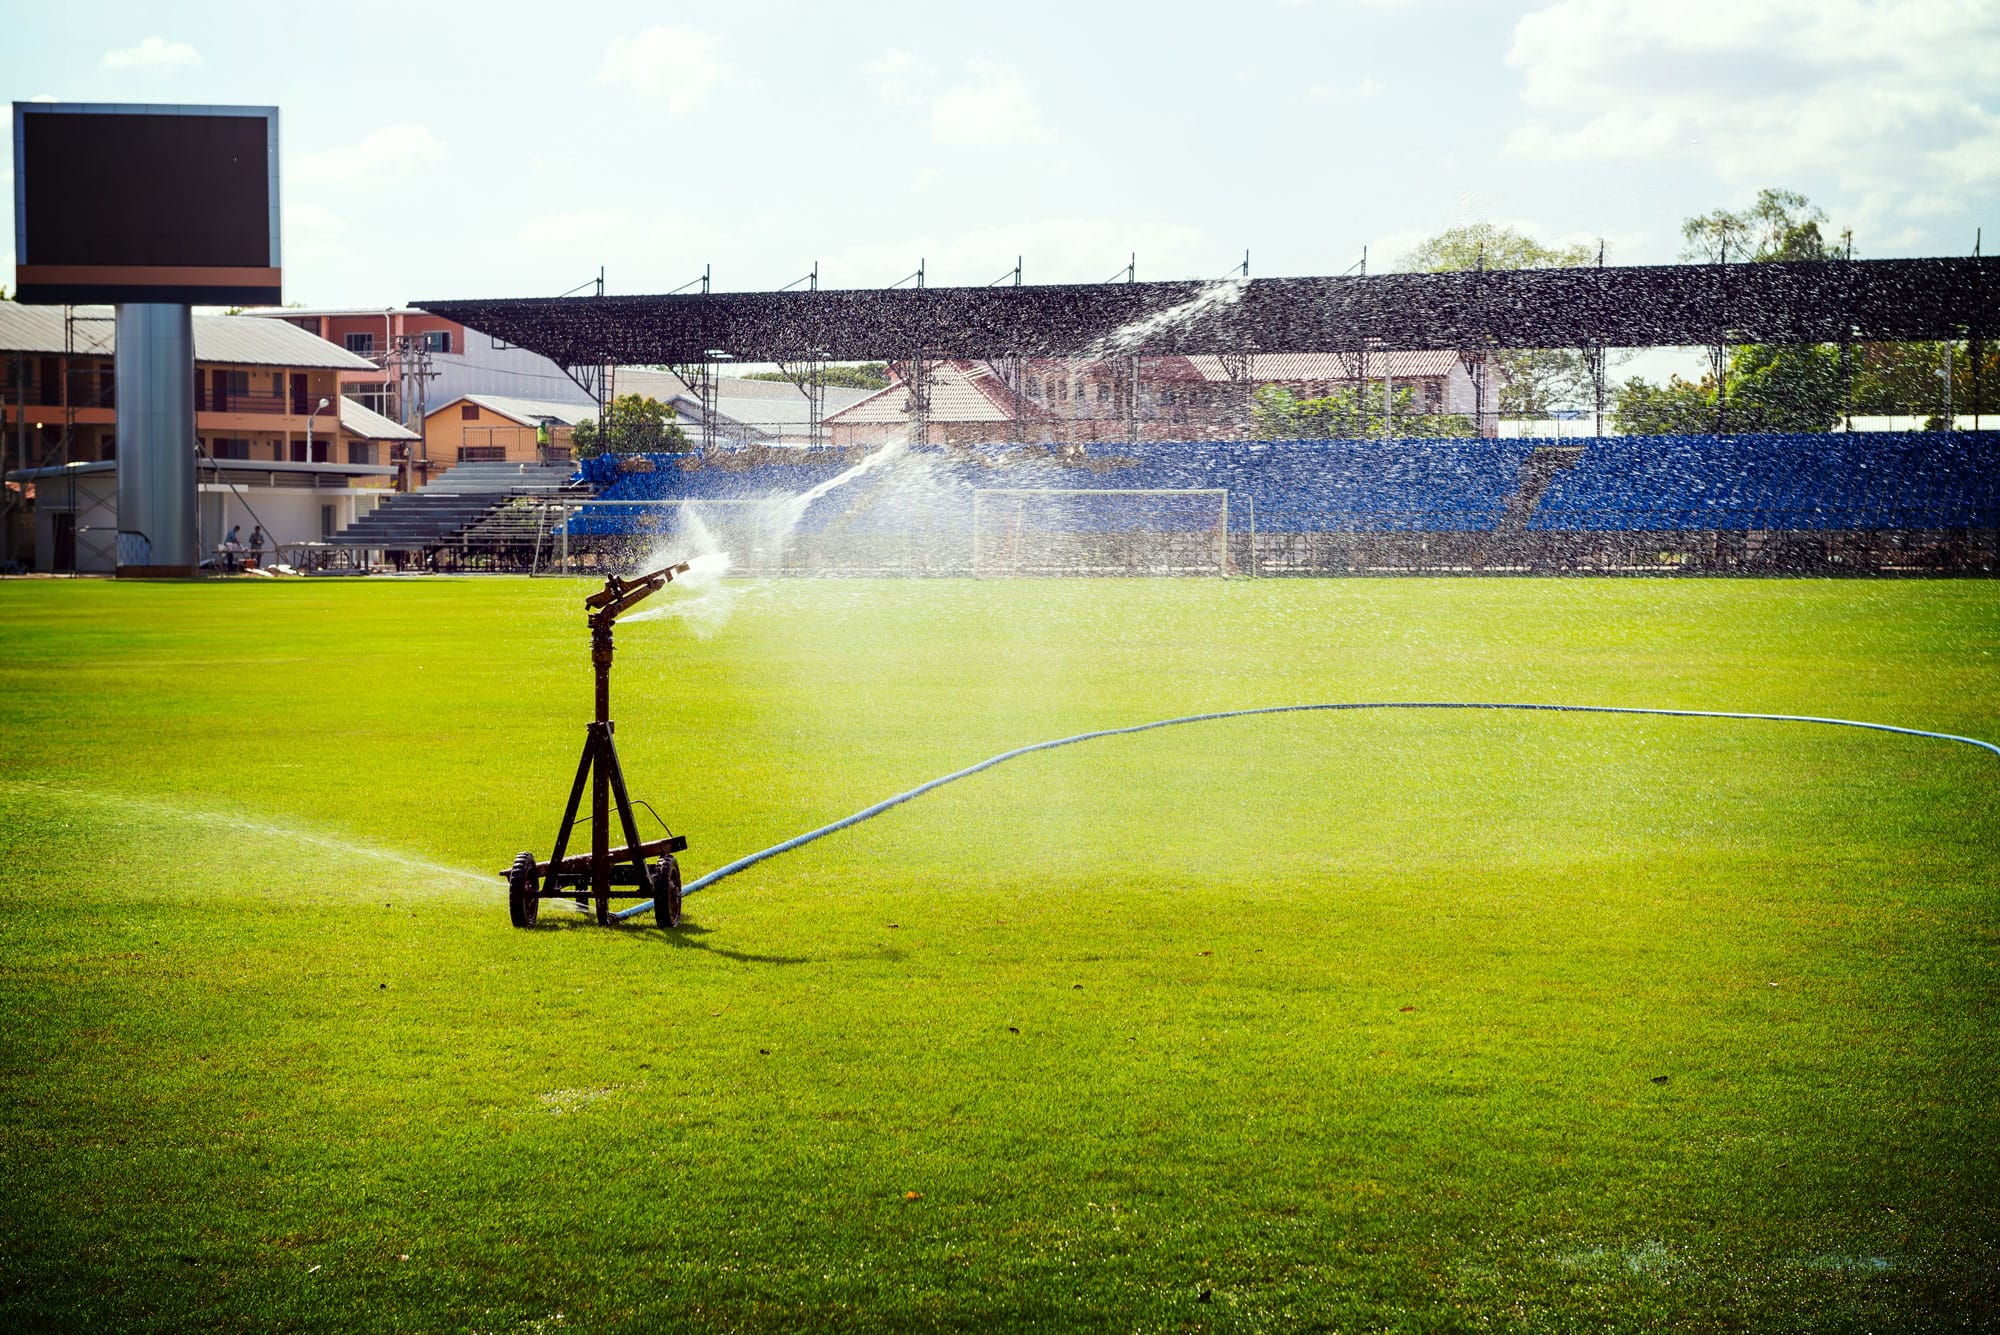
{"points": [[523, 906], [667, 892]]}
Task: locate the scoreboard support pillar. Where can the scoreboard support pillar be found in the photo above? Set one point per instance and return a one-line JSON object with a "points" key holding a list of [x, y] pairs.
{"points": [[157, 534]]}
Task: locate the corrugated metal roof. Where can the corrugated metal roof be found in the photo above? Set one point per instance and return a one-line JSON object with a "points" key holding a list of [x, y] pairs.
{"points": [[1312, 367], [286, 312], [960, 392], [40, 329], [231, 340], [528, 412], [666, 386], [360, 420], [241, 340]]}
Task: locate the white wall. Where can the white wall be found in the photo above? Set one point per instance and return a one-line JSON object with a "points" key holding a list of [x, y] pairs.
{"points": [[289, 514], [513, 373]]}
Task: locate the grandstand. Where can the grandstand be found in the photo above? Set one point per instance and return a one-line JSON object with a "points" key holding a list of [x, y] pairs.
{"points": [[491, 515], [1777, 503]]}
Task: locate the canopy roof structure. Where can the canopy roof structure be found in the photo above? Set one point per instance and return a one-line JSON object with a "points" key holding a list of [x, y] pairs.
{"points": [[1659, 306]]}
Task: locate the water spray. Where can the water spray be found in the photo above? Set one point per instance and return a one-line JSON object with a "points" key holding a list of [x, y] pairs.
{"points": [[604, 867]]}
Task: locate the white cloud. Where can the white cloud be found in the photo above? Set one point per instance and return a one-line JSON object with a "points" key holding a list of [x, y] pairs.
{"points": [[152, 53], [312, 232], [393, 150], [1883, 98], [893, 72], [564, 229], [679, 66], [992, 106], [45, 97], [1053, 250], [1326, 92]]}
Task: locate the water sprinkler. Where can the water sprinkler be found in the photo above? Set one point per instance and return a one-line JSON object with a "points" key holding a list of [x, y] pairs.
{"points": [[590, 877]]}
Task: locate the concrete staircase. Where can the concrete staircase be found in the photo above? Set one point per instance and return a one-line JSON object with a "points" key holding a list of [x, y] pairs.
{"points": [[442, 513], [1536, 475]]}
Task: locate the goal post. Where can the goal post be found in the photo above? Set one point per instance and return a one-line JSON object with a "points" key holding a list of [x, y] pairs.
{"points": [[587, 531], [1106, 531]]}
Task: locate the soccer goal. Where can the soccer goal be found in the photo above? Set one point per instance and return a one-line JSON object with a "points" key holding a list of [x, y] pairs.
{"points": [[1105, 531], [587, 534]]}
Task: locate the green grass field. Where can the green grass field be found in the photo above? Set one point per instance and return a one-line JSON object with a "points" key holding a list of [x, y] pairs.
{"points": [[1357, 1021]]}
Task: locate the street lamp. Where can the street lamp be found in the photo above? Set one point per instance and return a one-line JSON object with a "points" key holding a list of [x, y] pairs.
{"points": [[309, 428], [1944, 373]]}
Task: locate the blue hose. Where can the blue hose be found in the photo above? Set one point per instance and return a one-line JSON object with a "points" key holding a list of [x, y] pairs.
{"points": [[744, 863]]}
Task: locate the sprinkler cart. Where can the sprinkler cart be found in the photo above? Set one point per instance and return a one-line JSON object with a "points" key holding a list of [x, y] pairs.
{"points": [[603, 867]]}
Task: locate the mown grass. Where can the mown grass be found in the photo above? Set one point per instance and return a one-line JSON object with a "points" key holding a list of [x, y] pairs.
{"points": [[1353, 1021]]}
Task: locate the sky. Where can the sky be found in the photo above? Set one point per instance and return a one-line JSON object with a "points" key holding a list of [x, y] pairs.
{"points": [[443, 150]]}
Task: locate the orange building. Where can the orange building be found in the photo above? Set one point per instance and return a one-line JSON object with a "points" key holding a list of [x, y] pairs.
{"points": [[490, 428], [258, 393]]}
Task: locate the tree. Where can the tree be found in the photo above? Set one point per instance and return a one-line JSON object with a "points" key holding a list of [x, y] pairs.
{"points": [[1536, 380], [1276, 413], [1771, 387], [1777, 388], [1485, 245], [1784, 387], [1677, 408], [1898, 378], [862, 375], [637, 425], [1781, 225]]}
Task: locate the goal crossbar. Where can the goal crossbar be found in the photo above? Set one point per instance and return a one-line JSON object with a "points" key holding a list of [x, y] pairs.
{"points": [[982, 495]]}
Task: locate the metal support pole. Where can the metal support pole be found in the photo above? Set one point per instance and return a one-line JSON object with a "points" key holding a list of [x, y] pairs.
{"points": [[1719, 354], [600, 774], [1846, 380], [157, 533], [1388, 399], [1950, 346]]}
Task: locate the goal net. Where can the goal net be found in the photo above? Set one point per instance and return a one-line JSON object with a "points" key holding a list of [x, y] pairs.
{"points": [[1085, 531], [591, 534]]}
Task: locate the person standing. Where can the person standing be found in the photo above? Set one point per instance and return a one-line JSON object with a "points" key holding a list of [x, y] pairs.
{"points": [[257, 546], [231, 545]]}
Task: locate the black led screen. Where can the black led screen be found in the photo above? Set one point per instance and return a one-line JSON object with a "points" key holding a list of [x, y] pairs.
{"points": [[162, 206]]}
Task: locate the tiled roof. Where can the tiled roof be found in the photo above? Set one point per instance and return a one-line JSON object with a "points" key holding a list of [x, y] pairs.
{"points": [[224, 339], [961, 391]]}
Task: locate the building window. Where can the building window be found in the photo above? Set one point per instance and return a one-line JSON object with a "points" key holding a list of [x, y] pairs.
{"points": [[437, 340], [1103, 393], [362, 343], [110, 448], [361, 451], [229, 447], [501, 344], [468, 412]]}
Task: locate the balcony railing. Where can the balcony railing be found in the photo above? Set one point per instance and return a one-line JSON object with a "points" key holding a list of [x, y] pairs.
{"points": [[46, 392], [283, 405]]}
